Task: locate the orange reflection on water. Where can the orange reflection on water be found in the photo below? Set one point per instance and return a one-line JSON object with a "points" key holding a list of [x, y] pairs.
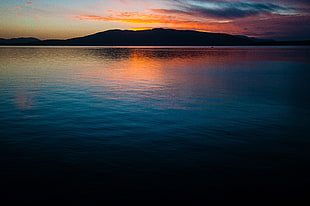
{"points": [[164, 74], [152, 65], [121, 72]]}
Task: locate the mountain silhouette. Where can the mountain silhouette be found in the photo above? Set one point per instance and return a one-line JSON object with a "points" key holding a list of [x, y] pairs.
{"points": [[153, 37], [22, 40]]}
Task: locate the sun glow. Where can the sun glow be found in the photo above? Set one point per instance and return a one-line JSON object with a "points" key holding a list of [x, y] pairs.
{"points": [[141, 28]]}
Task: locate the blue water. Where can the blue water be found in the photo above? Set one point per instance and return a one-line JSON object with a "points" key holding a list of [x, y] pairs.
{"points": [[154, 123]]}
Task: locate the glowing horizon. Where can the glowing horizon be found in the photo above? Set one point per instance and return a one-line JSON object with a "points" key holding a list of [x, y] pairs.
{"points": [[63, 19]]}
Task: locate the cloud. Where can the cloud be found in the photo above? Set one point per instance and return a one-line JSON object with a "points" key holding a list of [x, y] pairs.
{"points": [[155, 20], [252, 17], [170, 11], [276, 27], [229, 9], [28, 3], [137, 18]]}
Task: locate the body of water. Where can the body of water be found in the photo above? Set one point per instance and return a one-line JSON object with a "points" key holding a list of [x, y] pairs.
{"points": [[154, 123]]}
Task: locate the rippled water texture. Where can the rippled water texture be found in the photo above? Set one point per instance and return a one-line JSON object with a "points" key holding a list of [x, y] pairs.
{"points": [[97, 123]]}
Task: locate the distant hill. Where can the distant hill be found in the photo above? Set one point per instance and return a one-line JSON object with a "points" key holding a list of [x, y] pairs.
{"points": [[22, 40], [255, 39], [153, 37]]}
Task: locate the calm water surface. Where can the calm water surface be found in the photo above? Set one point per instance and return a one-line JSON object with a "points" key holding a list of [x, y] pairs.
{"points": [[97, 123]]}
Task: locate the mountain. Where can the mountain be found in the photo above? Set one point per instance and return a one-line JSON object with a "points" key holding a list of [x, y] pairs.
{"points": [[22, 40], [255, 39], [153, 37]]}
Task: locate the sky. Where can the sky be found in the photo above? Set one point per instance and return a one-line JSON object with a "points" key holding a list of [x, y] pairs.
{"points": [[63, 19]]}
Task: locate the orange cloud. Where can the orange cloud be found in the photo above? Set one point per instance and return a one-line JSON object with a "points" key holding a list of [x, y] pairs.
{"points": [[140, 28], [137, 18], [28, 3], [160, 20]]}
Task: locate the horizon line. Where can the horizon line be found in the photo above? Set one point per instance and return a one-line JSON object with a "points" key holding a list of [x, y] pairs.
{"points": [[154, 28], [136, 30]]}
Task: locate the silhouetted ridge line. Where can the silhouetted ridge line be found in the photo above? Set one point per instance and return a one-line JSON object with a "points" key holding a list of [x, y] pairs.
{"points": [[22, 40], [154, 37]]}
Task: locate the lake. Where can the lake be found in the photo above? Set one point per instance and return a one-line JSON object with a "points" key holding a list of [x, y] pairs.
{"points": [[91, 124]]}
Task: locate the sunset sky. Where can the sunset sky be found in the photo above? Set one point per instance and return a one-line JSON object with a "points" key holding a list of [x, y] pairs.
{"points": [[63, 19]]}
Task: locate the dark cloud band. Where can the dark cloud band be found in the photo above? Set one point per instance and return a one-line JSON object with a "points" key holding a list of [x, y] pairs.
{"points": [[227, 9]]}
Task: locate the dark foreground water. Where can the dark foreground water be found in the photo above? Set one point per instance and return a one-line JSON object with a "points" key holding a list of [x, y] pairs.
{"points": [[91, 124]]}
